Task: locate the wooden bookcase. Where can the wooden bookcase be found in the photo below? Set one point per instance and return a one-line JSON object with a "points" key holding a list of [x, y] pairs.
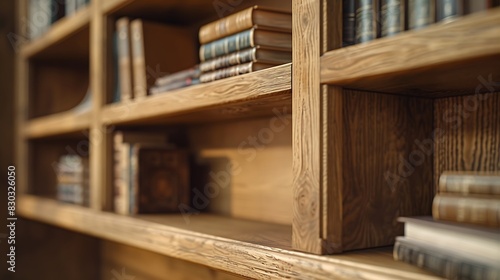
{"points": [[352, 155]]}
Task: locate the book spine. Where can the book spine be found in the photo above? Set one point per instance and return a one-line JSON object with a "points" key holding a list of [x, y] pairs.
{"points": [[470, 210], [123, 48], [227, 45], [179, 76], [229, 25], [173, 85], [421, 13], [140, 86], [449, 10], [392, 17], [227, 72], [441, 264], [70, 7], [470, 184], [239, 57], [366, 20], [133, 183], [349, 22], [121, 178]]}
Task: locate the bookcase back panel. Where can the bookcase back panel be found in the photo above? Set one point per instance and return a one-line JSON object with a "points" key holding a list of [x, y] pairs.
{"points": [[246, 167], [467, 134], [387, 169]]}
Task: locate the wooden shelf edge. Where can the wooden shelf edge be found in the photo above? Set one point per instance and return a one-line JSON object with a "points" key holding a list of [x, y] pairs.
{"points": [[247, 88], [447, 47], [57, 124], [251, 260], [60, 30]]}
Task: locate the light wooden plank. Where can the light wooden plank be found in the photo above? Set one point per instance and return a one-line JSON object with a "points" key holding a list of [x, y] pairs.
{"points": [[243, 248], [252, 89], [61, 30], [57, 124], [306, 143], [443, 59]]}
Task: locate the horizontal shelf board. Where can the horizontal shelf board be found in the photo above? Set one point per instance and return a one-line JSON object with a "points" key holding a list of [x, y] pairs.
{"points": [[252, 249], [249, 95], [61, 31], [57, 124], [440, 60]]}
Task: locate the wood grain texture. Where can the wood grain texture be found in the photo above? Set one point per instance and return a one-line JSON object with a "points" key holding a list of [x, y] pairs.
{"points": [[443, 59], [246, 257], [122, 260], [306, 143], [57, 124], [386, 172], [243, 93], [467, 134]]}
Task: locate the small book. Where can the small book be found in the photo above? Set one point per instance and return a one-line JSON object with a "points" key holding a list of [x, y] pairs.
{"points": [[174, 85], [160, 179], [193, 72], [158, 49], [264, 18], [449, 10], [478, 210], [470, 183], [233, 71], [256, 54], [247, 39], [421, 13], [392, 15], [366, 20], [124, 58]]}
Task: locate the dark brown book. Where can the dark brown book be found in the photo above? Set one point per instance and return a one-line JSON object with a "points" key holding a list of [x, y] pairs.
{"points": [[479, 210], [470, 183], [161, 179], [265, 18], [159, 49], [349, 22]]}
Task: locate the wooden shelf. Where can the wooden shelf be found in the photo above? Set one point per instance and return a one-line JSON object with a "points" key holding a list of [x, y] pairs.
{"points": [[441, 60], [249, 95], [59, 32], [58, 124], [253, 249]]}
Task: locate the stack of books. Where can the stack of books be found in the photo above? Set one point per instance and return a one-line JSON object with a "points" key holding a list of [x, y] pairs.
{"points": [[73, 179], [462, 240], [250, 40], [365, 20], [177, 80], [150, 175]]}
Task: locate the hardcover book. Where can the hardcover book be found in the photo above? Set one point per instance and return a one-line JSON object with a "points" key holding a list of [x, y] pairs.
{"points": [[470, 183], [421, 13], [124, 59], [392, 15], [449, 10], [366, 20], [349, 22], [233, 71], [477, 209]]}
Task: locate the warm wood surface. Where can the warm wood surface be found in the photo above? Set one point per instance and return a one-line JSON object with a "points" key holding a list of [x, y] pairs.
{"points": [[247, 251], [254, 90], [306, 141], [61, 31], [57, 124], [443, 59], [467, 134]]}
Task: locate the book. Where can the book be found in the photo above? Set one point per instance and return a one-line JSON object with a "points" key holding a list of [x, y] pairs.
{"points": [[70, 7], [467, 183], [421, 13], [160, 179], [193, 72], [256, 54], [348, 22], [463, 239], [442, 262], [449, 10], [233, 71], [265, 18], [392, 14], [73, 179], [116, 70], [479, 210], [174, 85], [122, 145], [124, 59], [158, 49], [366, 20], [474, 6], [247, 39], [57, 10], [40, 16]]}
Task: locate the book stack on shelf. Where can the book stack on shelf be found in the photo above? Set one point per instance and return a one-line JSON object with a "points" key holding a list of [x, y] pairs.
{"points": [[144, 51], [366, 20], [250, 40], [73, 179], [151, 176], [463, 239]]}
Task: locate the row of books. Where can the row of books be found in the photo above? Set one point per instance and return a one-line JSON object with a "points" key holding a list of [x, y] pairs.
{"points": [[366, 20], [150, 174], [253, 39], [72, 175], [462, 239], [43, 13]]}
